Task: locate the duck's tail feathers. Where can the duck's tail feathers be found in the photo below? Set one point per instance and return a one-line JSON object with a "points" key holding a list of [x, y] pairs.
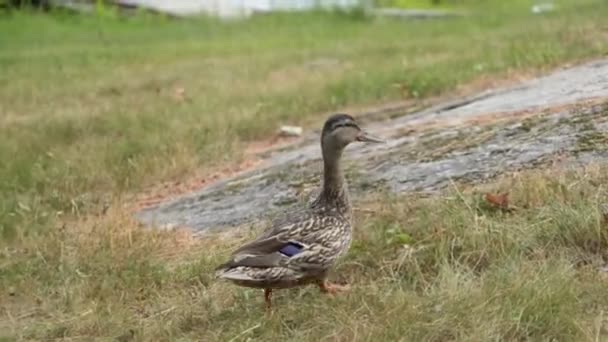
{"points": [[233, 274]]}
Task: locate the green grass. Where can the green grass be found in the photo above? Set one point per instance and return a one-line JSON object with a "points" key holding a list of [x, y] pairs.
{"points": [[465, 273], [418, 4], [88, 103], [89, 114]]}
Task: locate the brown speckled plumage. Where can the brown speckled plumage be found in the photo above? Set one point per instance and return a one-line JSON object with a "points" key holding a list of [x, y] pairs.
{"points": [[301, 246]]}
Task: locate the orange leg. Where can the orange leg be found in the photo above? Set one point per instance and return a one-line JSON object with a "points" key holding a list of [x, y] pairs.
{"points": [[267, 298], [327, 287]]}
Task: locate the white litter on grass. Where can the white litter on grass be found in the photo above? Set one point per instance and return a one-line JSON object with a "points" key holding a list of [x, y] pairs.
{"points": [[542, 8], [291, 131]]}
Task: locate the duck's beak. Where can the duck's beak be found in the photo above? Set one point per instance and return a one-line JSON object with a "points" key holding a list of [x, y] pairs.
{"points": [[366, 137]]}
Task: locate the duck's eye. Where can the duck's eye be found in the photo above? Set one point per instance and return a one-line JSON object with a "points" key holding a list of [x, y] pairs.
{"points": [[345, 124]]}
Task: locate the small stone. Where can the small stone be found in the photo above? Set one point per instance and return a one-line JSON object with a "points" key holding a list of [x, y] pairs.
{"points": [[291, 131]]}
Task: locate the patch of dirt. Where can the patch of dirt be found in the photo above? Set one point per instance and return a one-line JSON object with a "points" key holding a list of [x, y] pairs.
{"points": [[257, 151], [171, 190], [277, 142], [495, 118], [468, 140]]}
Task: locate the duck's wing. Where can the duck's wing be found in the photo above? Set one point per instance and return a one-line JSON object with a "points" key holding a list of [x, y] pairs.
{"points": [[286, 228], [258, 253], [262, 245], [276, 245], [270, 252]]}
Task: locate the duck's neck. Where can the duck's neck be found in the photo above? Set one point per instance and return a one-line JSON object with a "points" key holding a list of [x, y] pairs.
{"points": [[334, 193], [333, 177]]}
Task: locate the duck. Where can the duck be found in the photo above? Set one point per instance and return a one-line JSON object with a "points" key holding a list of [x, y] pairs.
{"points": [[302, 245]]}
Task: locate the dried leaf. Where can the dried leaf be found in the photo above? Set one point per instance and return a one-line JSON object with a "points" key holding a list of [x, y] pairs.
{"points": [[498, 201]]}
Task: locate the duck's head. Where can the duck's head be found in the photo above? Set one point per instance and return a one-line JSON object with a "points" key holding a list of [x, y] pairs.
{"points": [[342, 129]]}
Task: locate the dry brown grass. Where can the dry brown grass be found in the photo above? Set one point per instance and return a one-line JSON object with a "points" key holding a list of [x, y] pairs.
{"points": [[445, 268]]}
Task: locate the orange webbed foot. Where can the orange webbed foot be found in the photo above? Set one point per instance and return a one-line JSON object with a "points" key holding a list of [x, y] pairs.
{"points": [[268, 300], [333, 289]]}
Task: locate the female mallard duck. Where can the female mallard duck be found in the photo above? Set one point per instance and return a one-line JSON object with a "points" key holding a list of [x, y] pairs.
{"points": [[302, 246]]}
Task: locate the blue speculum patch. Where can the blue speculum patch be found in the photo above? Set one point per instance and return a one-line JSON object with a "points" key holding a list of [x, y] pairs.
{"points": [[291, 249]]}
